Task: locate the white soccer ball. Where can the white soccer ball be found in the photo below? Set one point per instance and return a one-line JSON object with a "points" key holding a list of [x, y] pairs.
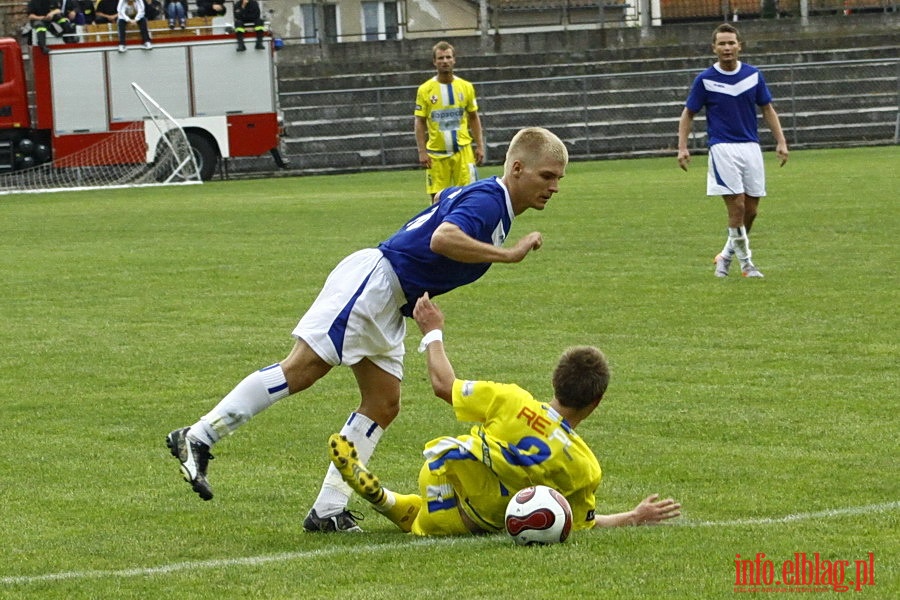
{"points": [[538, 515]]}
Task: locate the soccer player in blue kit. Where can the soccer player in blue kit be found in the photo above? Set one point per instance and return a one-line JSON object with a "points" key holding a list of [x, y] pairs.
{"points": [[730, 90], [358, 317]]}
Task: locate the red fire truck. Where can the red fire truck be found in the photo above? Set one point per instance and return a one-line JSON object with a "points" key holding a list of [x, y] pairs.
{"points": [[226, 101]]}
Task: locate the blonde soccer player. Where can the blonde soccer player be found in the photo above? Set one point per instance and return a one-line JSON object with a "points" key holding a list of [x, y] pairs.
{"points": [[357, 320]]}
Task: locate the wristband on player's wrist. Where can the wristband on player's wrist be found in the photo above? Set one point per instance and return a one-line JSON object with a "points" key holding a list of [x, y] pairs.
{"points": [[435, 335]]}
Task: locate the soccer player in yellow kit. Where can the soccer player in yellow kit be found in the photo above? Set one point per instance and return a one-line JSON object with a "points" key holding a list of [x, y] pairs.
{"points": [[467, 480], [447, 126]]}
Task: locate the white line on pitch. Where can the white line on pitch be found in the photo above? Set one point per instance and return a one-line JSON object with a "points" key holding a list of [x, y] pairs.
{"points": [[822, 514], [231, 562], [287, 556]]}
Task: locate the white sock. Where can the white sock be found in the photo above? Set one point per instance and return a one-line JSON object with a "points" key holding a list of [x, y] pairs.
{"points": [[737, 237], [387, 501], [728, 249], [257, 392], [335, 493]]}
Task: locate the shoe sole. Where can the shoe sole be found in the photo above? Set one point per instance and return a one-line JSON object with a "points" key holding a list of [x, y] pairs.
{"points": [[201, 491], [346, 459]]}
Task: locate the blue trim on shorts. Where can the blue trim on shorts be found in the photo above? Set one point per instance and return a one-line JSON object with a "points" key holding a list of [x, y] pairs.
{"points": [[719, 180], [338, 328], [456, 454], [442, 504]]}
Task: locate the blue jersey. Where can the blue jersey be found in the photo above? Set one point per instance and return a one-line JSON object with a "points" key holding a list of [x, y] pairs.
{"points": [[730, 100], [482, 210]]}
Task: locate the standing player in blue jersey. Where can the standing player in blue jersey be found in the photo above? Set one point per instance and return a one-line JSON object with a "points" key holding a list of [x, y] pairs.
{"points": [[447, 126], [467, 480], [730, 91], [357, 318]]}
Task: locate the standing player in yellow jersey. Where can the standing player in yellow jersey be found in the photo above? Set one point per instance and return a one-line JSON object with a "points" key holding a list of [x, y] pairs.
{"points": [[467, 480], [448, 129]]}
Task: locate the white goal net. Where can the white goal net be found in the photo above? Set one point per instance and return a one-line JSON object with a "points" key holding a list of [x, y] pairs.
{"points": [[154, 151]]}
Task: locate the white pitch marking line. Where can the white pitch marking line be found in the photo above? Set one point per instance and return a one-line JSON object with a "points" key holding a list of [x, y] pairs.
{"points": [[227, 562], [822, 514], [287, 556]]}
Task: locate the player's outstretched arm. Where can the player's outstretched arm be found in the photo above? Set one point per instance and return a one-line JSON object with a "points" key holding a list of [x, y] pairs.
{"points": [[430, 319], [451, 241], [650, 511]]}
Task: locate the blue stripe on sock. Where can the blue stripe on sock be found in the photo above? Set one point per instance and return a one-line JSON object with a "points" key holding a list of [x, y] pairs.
{"points": [[275, 390], [278, 388], [369, 431]]}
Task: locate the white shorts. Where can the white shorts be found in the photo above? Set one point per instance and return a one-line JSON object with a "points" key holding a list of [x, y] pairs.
{"points": [[357, 314], [736, 169]]}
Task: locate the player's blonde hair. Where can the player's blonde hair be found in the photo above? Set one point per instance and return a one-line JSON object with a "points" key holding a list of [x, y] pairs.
{"points": [[533, 144], [581, 377]]}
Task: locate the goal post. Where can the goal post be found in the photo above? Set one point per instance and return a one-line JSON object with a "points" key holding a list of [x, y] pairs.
{"points": [[153, 151], [167, 140]]}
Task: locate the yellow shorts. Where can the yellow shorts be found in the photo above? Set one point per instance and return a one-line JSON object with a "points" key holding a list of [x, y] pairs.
{"points": [[458, 169], [446, 494]]}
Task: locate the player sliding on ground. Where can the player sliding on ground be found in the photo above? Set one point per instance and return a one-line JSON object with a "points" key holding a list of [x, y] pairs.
{"points": [[467, 480]]}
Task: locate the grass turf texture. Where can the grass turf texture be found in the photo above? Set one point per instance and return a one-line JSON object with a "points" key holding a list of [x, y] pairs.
{"points": [[129, 313]]}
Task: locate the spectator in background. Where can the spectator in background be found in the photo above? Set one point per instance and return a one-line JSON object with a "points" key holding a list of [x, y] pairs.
{"points": [[86, 7], [44, 15], [446, 110], [72, 11], [153, 10], [176, 11], [106, 11], [133, 11], [247, 14], [210, 8]]}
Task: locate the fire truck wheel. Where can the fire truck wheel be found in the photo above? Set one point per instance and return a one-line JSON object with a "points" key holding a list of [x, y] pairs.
{"points": [[204, 153]]}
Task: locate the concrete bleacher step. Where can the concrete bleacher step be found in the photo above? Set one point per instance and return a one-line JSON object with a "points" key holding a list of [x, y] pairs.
{"points": [[602, 103], [293, 65], [502, 73]]}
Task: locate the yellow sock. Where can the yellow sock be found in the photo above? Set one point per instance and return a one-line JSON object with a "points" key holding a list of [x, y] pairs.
{"points": [[401, 509]]}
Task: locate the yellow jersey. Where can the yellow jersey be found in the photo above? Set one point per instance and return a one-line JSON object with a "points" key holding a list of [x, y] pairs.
{"points": [[445, 108], [518, 442]]}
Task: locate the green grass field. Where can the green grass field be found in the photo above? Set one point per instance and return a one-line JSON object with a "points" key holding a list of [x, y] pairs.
{"points": [[767, 407]]}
